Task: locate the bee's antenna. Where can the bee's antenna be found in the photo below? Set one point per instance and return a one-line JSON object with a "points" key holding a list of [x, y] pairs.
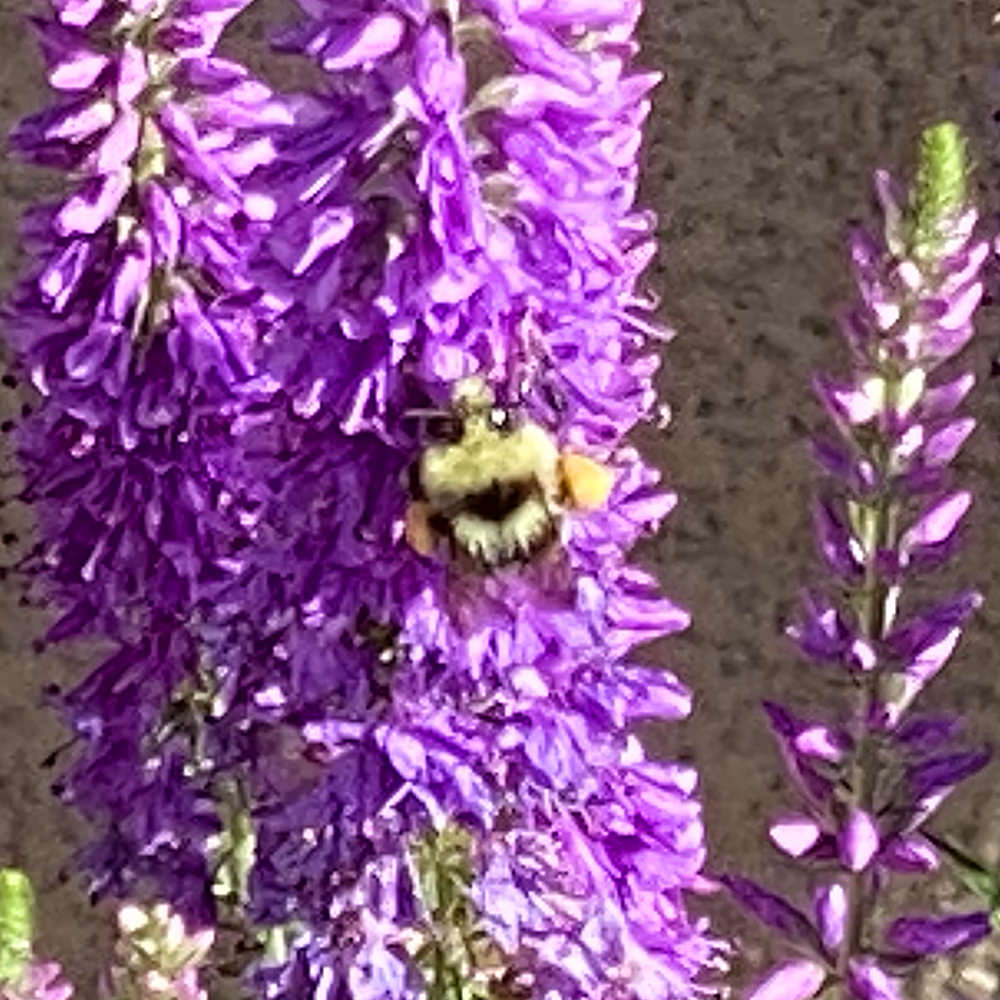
{"points": [[426, 413]]}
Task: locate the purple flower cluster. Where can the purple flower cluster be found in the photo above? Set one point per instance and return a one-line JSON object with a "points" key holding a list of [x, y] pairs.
{"points": [[230, 369], [136, 330], [432, 226], [867, 781]]}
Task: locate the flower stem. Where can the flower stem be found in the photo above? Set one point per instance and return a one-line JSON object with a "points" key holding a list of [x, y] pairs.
{"points": [[875, 610]]}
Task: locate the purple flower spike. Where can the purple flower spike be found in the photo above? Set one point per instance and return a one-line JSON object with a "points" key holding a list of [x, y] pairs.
{"points": [[141, 356], [453, 223], [137, 326], [869, 779]]}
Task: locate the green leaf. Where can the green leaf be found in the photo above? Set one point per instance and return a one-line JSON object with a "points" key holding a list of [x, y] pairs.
{"points": [[975, 876], [234, 849]]}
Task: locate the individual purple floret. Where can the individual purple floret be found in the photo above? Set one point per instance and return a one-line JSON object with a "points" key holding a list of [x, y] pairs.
{"points": [[867, 781], [136, 330]]}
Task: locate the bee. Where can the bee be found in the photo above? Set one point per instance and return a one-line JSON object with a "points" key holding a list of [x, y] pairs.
{"points": [[496, 492]]}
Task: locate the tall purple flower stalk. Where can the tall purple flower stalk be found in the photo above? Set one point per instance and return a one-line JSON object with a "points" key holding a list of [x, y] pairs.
{"points": [[869, 779], [456, 201], [135, 329], [218, 465]]}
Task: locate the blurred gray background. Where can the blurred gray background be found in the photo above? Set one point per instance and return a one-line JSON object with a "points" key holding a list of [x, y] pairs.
{"points": [[760, 147]]}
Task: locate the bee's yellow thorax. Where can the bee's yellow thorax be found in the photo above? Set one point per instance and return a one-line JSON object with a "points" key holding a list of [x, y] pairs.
{"points": [[485, 456]]}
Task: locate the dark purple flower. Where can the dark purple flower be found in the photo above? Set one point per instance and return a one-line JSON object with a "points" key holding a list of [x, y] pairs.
{"points": [[867, 981], [137, 330], [773, 910], [938, 935]]}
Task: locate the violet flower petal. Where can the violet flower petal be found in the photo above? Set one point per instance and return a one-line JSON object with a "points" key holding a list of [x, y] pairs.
{"points": [[937, 523], [910, 853], [794, 834], [938, 935], [371, 39], [772, 910], [830, 908], [869, 982], [799, 979], [859, 840]]}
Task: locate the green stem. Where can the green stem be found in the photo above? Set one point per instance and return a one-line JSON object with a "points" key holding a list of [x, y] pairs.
{"points": [[874, 618], [877, 527]]}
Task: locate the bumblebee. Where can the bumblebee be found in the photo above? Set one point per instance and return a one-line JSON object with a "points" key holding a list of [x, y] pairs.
{"points": [[496, 492]]}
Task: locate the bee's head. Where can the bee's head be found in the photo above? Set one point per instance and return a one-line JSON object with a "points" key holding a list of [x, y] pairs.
{"points": [[472, 396], [474, 404]]}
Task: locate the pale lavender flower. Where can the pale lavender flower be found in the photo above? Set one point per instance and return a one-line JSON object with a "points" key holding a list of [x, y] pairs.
{"points": [[867, 781], [156, 956]]}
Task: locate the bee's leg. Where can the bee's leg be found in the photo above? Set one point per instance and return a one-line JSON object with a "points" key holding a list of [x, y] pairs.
{"points": [[587, 484], [419, 530]]}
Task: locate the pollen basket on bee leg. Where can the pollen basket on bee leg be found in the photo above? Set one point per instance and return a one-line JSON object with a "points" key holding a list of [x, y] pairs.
{"points": [[588, 483], [419, 533]]}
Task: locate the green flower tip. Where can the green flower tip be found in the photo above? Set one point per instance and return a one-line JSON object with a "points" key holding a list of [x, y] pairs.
{"points": [[940, 189], [16, 923]]}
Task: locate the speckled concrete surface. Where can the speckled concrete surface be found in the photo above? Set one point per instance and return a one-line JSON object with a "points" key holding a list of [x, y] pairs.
{"points": [[760, 147]]}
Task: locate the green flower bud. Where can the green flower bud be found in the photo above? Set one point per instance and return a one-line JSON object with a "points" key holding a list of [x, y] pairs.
{"points": [[939, 192], [17, 904]]}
